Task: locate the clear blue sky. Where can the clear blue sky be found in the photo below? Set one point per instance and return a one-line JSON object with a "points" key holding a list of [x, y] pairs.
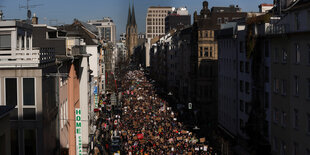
{"points": [[66, 10]]}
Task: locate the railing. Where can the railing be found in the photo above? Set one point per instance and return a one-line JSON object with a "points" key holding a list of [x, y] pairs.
{"points": [[77, 50], [277, 29], [26, 58]]}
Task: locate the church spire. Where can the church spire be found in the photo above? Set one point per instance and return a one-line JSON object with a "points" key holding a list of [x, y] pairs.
{"points": [[129, 16], [133, 17]]}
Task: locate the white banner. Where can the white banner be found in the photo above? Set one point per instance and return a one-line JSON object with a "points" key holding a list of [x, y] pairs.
{"points": [[78, 131]]}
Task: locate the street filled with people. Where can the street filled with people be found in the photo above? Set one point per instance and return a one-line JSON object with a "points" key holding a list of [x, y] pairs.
{"points": [[145, 124]]}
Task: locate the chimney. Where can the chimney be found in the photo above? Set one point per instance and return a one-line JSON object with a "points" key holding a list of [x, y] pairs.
{"points": [[1, 15], [34, 19]]}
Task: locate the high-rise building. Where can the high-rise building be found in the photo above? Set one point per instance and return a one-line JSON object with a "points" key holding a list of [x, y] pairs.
{"points": [[106, 29], [155, 20], [131, 31]]}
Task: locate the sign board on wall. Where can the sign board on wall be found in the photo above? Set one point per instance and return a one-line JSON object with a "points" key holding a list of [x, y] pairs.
{"points": [[78, 131]]}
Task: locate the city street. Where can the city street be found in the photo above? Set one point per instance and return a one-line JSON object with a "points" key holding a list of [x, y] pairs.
{"points": [[147, 125]]}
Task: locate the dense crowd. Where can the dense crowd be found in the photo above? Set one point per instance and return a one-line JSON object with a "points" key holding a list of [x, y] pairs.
{"points": [[149, 126]]}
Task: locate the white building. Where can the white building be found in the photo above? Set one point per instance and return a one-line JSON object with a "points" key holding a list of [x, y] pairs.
{"points": [[106, 29], [155, 20]]}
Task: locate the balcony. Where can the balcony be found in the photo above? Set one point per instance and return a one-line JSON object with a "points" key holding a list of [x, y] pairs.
{"points": [[78, 50], [277, 29], [26, 57]]}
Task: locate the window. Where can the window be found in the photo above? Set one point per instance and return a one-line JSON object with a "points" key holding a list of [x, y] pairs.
{"points": [[241, 86], [275, 115], [11, 91], [241, 106], [283, 87], [283, 119], [241, 125], [14, 141], [297, 54], [29, 114], [308, 123], [283, 148], [266, 100], [28, 91], [241, 67], [296, 119], [207, 32], [275, 144], [267, 74], [226, 19], [276, 85], [276, 55], [308, 87], [200, 51], [247, 107], [206, 52], [309, 52], [219, 21], [241, 46], [267, 49], [5, 41], [30, 141], [210, 51], [296, 80], [284, 56], [247, 67], [297, 21], [295, 149], [247, 87]]}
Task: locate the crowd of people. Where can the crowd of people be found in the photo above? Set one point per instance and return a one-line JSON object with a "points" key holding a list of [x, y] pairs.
{"points": [[149, 126]]}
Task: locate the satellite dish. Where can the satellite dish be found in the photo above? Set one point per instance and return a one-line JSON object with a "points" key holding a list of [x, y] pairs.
{"points": [[29, 14]]}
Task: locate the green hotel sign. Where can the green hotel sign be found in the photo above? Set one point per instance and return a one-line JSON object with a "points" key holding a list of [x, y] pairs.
{"points": [[78, 131]]}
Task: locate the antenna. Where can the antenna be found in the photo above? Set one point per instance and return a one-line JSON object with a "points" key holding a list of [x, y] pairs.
{"points": [[27, 7]]}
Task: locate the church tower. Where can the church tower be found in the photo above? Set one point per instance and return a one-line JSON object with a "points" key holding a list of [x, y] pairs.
{"points": [[131, 31]]}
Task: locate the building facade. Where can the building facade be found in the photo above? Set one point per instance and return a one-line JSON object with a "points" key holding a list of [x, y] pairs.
{"points": [[155, 21], [177, 19], [26, 85], [290, 91], [106, 29]]}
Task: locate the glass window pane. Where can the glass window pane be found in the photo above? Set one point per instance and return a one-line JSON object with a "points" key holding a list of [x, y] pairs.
{"points": [[30, 141], [28, 90], [14, 114], [5, 41], [11, 91], [29, 113], [14, 142]]}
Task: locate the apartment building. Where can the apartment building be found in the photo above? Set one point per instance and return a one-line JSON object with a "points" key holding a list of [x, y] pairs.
{"points": [[25, 84], [106, 29], [155, 20], [204, 72], [290, 78]]}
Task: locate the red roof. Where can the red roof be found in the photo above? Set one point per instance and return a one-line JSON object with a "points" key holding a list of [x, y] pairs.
{"points": [[264, 4]]}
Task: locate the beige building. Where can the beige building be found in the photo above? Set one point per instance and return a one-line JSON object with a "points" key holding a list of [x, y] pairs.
{"points": [[290, 78], [155, 20]]}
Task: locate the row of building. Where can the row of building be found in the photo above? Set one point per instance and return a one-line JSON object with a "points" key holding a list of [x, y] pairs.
{"points": [[246, 74], [51, 80]]}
